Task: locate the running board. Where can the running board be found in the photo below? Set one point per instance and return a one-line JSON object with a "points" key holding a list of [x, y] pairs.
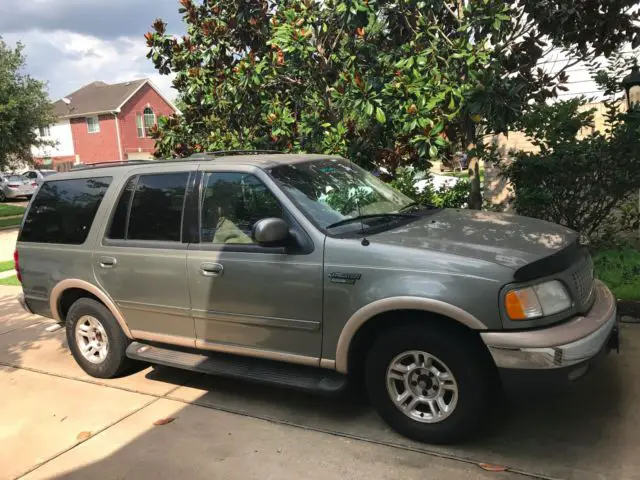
{"points": [[269, 372]]}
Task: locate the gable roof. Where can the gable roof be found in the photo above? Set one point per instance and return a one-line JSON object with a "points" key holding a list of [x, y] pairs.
{"points": [[99, 97]]}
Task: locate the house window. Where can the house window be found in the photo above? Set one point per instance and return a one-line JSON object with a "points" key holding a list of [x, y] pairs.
{"points": [[139, 125], [149, 121], [93, 125], [45, 131]]}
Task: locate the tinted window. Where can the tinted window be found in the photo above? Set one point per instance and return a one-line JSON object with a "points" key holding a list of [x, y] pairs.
{"points": [[31, 175], [63, 211], [231, 205], [156, 209], [118, 227]]}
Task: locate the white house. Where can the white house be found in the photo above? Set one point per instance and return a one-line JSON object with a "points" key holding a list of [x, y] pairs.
{"points": [[60, 134]]}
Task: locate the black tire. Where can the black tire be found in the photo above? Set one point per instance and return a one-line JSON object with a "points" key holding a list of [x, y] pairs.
{"points": [[466, 359], [3, 197], [116, 362]]}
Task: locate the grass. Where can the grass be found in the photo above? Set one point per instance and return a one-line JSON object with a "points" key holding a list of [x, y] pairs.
{"points": [[10, 222], [7, 210], [10, 281], [620, 271], [464, 174], [6, 265]]}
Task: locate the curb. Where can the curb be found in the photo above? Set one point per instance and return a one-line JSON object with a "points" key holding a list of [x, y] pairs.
{"points": [[629, 308]]}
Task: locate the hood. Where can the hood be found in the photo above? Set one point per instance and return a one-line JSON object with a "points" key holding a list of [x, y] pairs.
{"points": [[505, 239]]}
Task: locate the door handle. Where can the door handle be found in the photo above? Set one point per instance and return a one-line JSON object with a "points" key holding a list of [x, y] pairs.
{"points": [[107, 262], [211, 269]]}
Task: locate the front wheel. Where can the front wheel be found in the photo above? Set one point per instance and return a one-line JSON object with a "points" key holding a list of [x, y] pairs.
{"points": [[430, 383]]}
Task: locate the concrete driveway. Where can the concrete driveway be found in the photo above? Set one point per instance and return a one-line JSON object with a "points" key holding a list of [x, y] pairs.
{"points": [[55, 421], [8, 240]]}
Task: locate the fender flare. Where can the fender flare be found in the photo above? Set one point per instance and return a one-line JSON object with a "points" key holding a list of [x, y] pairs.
{"points": [[61, 287], [364, 314]]}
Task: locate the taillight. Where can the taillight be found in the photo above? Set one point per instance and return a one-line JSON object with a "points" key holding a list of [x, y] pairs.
{"points": [[16, 265], [34, 184]]}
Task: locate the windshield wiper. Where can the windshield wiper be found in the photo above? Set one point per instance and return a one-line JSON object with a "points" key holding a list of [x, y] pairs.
{"points": [[373, 215], [416, 207]]}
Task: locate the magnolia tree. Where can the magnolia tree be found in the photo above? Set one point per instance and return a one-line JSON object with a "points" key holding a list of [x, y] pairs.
{"points": [[387, 83]]}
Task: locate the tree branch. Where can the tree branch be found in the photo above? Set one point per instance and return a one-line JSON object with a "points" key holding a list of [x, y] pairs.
{"points": [[453, 14]]}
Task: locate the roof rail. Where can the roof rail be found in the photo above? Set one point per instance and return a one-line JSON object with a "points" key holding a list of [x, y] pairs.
{"points": [[116, 163], [219, 153]]}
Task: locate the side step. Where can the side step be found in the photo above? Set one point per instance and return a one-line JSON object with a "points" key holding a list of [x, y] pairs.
{"points": [[269, 372]]}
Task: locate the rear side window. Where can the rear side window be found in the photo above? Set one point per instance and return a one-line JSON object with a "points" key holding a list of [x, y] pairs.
{"points": [[63, 211], [150, 208]]}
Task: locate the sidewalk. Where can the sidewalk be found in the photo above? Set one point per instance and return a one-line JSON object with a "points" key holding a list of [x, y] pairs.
{"points": [[8, 240]]}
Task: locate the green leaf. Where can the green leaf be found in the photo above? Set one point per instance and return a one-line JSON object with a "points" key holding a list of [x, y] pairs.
{"points": [[369, 109], [433, 151], [340, 9], [380, 116]]}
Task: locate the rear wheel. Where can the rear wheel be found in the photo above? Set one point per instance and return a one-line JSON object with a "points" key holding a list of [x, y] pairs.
{"points": [[96, 340], [430, 383], [3, 197]]}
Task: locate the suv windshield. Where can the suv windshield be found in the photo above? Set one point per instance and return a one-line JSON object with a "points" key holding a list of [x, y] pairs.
{"points": [[329, 191]]}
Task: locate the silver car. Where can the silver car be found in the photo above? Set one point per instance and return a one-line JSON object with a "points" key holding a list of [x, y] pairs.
{"points": [[15, 186], [37, 175], [307, 271]]}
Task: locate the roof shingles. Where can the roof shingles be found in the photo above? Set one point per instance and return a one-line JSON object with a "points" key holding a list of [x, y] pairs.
{"points": [[95, 98]]}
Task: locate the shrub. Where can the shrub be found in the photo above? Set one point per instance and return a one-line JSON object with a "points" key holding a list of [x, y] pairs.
{"points": [[581, 183], [456, 196]]}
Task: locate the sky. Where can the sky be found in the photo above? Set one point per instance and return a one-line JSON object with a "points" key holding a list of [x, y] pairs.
{"points": [[70, 43]]}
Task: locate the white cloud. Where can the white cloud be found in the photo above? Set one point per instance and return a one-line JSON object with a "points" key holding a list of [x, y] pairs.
{"points": [[68, 60]]}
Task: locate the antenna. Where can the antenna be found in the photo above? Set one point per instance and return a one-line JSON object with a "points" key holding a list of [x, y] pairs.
{"points": [[365, 242]]}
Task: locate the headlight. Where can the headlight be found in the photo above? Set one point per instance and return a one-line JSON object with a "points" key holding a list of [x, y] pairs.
{"points": [[537, 301]]}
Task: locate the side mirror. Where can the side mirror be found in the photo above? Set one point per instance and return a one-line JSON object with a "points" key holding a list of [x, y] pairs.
{"points": [[270, 231]]}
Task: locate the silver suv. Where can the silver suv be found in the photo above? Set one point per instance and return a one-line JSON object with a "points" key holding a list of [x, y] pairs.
{"points": [[305, 270]]}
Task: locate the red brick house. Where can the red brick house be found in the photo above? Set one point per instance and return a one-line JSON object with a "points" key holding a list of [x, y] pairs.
{"points": [[104, 123]]}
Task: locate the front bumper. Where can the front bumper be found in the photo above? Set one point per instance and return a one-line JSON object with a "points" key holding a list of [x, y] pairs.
{"points": [[571, 344]]}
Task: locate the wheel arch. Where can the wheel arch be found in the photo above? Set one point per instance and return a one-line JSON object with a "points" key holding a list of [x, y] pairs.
{"points": [[76, 287], [382, 311]]}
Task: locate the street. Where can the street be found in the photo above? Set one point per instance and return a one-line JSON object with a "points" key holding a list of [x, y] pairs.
{"points": [[55, 421]]}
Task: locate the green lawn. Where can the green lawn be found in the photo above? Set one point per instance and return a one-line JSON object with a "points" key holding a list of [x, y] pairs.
{"points": [[8, 210], [620, 271], [10, 222], [12, 281], [6, 265], [465, 174]]}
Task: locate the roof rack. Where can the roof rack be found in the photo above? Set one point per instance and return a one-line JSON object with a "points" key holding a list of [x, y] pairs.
{"points": [[195, 156], [115, 163], [219, 153]]}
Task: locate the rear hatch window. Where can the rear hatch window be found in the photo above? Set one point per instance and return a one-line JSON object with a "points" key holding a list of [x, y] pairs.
{"points": [[63, 211]]}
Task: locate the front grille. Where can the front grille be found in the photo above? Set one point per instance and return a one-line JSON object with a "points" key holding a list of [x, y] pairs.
{"points": [[583, 285]]}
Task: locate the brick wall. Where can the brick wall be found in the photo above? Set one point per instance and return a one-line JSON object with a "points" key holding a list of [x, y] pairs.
{"points": [[145, 97], [101, 146]]}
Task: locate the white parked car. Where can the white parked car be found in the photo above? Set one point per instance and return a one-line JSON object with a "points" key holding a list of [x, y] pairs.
{"points": [[15, 186], [437, 181], [37, 175]]}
